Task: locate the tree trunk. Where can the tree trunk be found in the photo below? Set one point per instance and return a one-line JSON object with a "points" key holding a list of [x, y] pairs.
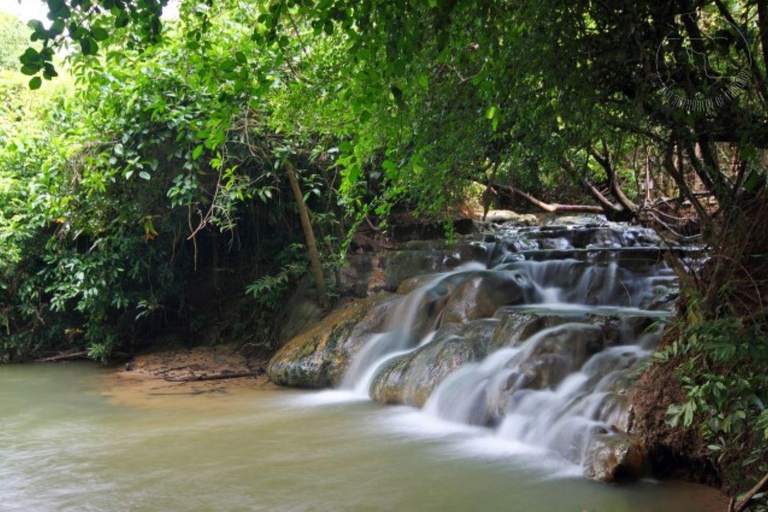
{"points": [[606, 163], [547, 207], [762, 17], [309, 235], [759, 487], [612, 211]]}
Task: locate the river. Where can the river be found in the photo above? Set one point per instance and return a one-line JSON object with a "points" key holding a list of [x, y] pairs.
{"points": [[65, 444]]}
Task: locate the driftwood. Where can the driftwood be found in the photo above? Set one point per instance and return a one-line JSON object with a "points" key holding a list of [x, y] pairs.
{"points": [[547, 207], [217, 376], [64, 356], [739, 506]]}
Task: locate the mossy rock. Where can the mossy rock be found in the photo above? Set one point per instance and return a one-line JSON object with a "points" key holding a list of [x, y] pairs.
{"points": [[616, 457], [410, 379], [319, 357]]}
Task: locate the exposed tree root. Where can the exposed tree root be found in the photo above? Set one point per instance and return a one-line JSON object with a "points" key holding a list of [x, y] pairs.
{"points": [[68, 355], [218, 376], [739, 506]]}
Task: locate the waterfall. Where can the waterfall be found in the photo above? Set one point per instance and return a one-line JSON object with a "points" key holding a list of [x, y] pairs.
{"points": [[539, 352], [403, 327]]}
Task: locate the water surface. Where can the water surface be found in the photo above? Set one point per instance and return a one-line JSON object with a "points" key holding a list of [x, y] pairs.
{"points": [[64, 445]]}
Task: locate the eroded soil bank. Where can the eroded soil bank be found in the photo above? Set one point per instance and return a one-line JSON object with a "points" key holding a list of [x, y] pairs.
{"points": [[157, 377]]}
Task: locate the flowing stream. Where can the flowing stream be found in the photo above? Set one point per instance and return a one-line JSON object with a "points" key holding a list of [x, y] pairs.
{"points": [[64, 446], [541, 353]]}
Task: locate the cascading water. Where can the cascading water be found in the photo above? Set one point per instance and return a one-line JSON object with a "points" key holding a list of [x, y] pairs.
{"points": [[410, 326], [562, 341]]}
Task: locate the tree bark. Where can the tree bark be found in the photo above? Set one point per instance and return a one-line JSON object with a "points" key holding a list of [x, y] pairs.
{"points": [[309, 235], [217, 376], [762, 17], [607, 164], [65, 356], [612, 211], [742, 504], [548, 207]]}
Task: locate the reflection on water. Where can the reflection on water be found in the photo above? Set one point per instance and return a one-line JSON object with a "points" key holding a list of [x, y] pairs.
{"points": [[64, 446]]}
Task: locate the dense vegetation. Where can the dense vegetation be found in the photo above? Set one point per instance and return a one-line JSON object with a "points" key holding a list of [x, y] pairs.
{"points": [[245, 130]]}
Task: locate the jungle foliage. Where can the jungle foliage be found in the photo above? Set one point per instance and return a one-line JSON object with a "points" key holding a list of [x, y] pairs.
{"points": [[179, 135]]}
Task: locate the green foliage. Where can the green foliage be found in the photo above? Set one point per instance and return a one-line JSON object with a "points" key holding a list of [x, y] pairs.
{"points": [[722, 369], [111, 196], [14, 39]]}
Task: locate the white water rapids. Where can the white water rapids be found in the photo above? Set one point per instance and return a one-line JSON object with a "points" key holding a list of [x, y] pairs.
{"points": [[559, 388]]}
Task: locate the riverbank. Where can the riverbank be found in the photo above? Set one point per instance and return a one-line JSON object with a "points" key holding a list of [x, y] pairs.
{"points": [[159, 376]]}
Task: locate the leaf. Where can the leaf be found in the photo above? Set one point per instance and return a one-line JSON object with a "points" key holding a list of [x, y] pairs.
{"points": [[85, 46], [99, 34], [35, 83], [29, 70], [144, 175], [31, 57], [197, 152], [491, 113], [122, 20], [228, 65]]}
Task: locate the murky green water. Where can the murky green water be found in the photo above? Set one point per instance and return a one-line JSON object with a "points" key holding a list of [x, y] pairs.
{"points": [[65, 446]]}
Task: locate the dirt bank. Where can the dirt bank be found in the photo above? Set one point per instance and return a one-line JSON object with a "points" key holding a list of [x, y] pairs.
{"points": [[162, 377]]}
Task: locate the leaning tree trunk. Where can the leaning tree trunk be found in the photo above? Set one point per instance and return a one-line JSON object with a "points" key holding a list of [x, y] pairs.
{"points": [[546, 207], [309, 235]]}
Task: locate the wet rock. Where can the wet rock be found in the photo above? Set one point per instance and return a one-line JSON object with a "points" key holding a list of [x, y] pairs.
{"points": [[578, 220], [615, 457], [401, 265], [302, 312], [367, 274], [482, 294], [413, 283], [464, 226], [319, 357], [411, 378], [576, 342], [517, 325], [544, 372], [510, 217]]}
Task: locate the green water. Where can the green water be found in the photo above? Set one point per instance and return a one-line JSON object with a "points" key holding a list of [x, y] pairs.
{"points": [[66, 446]]}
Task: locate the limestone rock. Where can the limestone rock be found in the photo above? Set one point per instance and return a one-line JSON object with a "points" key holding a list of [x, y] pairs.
{"points": [[482, 294], [319, 357], [411, 378], [616, 457]]}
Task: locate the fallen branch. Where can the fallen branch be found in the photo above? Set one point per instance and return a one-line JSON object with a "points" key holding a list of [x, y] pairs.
{"points": [[64, 356], [547, 207], [218, 376], [742, 503]]}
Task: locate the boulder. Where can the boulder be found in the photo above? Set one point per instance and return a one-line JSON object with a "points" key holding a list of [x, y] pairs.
{"points": [[401, 265], [411, 378], [510, 217], [615, 457], [483, 293], [367, 274], [319, 357], [517, 325], [301, 312]]}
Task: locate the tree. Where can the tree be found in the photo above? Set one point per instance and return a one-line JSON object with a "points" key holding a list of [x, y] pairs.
{"points": [[14, 38]]}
